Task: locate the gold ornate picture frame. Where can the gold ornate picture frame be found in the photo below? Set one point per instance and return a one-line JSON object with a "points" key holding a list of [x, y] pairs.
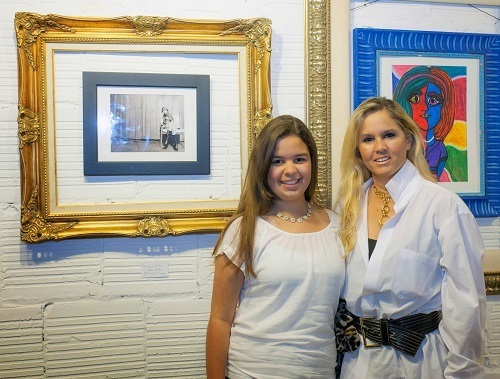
{"points": [[43, 39], [318, 92]]}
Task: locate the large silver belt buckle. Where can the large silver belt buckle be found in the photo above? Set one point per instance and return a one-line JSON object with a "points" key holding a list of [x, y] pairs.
{"points": [[369, 345]]}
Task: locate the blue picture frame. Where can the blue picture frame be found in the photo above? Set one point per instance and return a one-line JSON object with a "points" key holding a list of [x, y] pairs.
{"points": [[371, 44], [161, 164]]}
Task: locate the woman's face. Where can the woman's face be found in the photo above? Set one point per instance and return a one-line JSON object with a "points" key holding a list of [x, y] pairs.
{"points": [[426, 104], [291, 170], [382, 145]]}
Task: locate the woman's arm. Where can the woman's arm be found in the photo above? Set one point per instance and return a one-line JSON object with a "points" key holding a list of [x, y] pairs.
{"points": [[464, 297], [228, 280]]}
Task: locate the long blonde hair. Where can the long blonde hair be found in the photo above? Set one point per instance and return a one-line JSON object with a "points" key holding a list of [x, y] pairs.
{"points": [[256, 196], [353, 172]]}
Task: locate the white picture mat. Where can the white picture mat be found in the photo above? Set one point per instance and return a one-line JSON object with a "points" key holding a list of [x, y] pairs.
{"points": [[70, 191]]}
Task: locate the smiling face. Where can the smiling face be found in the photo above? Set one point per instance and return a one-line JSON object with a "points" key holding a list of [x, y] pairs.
{"points": [[291, 170], [382, 145]]}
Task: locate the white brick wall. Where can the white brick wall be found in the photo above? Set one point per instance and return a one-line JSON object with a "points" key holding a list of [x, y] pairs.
{"points": [[21, 331], [83, 308]]}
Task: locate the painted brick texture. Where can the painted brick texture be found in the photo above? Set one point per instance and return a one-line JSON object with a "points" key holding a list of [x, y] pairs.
{"points": [[87, 308]]}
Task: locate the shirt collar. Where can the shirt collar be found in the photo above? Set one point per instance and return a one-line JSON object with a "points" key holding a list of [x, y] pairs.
{"points": [[399, 186]]}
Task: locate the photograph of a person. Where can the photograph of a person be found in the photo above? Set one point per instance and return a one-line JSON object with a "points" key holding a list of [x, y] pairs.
{"points": [[147, 123], [169, 130]]}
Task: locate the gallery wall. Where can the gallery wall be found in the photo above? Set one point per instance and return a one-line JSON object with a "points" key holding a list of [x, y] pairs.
{"points": [[90, 308], [417, 15]]}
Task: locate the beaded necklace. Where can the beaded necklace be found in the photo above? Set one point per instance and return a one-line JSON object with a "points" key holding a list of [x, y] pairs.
{"points": [[293, 219]]}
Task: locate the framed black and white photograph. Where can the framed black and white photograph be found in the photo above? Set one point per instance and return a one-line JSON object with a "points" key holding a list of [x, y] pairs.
{"points": [[146, 124], [119, 116]]}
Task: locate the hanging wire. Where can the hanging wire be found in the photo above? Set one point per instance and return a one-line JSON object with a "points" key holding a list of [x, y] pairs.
{"points": [[365, 5], [470, 5], [480, 10]]}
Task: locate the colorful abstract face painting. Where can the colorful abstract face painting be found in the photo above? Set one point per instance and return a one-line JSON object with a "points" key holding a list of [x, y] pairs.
{"points": [[435, 98]]}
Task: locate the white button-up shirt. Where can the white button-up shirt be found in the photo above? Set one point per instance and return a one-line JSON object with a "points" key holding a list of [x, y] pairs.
{"points": [[428, 257]]}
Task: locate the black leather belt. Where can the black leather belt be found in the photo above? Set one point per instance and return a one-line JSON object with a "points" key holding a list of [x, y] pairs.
{"points": [[404, 334]]}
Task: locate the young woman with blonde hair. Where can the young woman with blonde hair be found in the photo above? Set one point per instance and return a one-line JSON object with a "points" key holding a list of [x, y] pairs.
{"points": [[414, 286]]}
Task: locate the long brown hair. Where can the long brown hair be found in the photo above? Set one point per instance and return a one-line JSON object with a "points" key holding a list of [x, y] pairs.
{"points": [[256, 196]]}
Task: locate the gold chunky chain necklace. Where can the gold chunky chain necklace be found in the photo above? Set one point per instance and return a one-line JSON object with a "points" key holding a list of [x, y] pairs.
{"points": [[385, 197], [300, 219]]}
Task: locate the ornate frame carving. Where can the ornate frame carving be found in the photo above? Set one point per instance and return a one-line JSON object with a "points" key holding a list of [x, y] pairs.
{"points": [[492, 282], [38, 36], [39, 223], [318, 96]]}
